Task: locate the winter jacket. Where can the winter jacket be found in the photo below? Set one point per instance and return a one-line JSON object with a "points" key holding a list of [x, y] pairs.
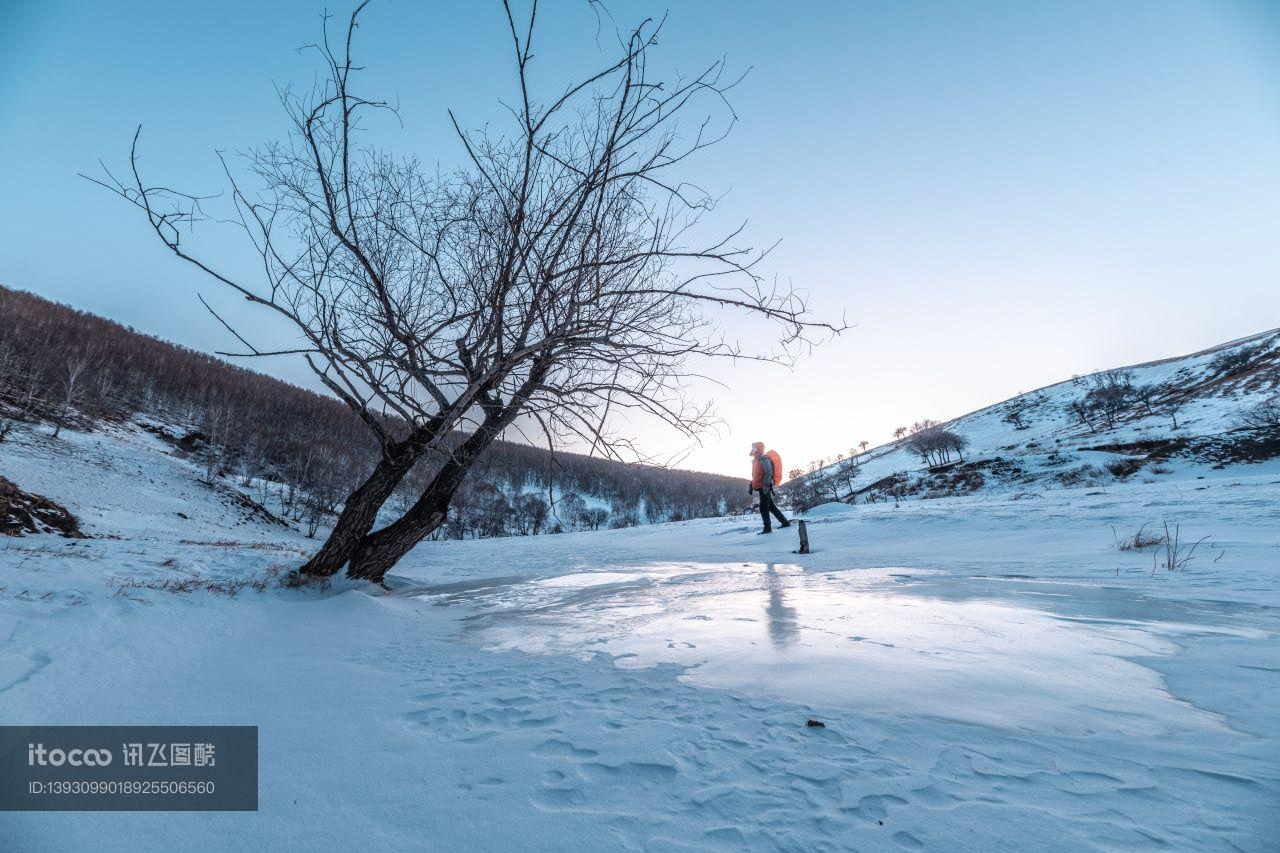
{"points": [[762, 473]]}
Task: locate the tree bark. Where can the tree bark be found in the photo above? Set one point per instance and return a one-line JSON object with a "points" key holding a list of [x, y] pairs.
{"points": [[360, 510], [381, 550]]}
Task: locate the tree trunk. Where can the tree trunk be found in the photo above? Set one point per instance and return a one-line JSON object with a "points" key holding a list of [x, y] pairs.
{"points": [[360, 510], [384, 548], [381, 550]]}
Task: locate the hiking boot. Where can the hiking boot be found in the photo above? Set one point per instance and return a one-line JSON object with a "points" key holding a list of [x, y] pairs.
{"points": [[763, 532], [785, 524]]}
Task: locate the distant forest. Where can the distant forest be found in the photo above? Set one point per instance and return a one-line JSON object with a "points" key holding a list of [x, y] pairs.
{"points": [[304, 451]]}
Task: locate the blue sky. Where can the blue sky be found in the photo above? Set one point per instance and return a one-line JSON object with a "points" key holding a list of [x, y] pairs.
{"points": [[999, 195]]}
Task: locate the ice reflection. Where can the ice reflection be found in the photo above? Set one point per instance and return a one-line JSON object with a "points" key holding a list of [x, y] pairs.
{"points": [[885, 640], [784, 626]]}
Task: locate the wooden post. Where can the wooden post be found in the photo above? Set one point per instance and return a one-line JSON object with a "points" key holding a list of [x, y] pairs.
{"points": [[804, 537]]}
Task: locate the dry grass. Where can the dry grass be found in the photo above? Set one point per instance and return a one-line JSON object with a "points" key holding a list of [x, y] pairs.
{"points": [[252, 546], [230, 587], [1138, 541], [1176, 554]]}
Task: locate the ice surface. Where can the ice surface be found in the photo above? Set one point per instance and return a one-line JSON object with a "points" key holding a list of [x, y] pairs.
{"points": [[837, 638]]}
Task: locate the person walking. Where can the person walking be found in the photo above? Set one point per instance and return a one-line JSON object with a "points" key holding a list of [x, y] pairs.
{"points": [[766, 472]]}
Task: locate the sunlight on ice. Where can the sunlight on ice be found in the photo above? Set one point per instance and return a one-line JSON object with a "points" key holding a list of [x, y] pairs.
{"points": [[850, 640]]}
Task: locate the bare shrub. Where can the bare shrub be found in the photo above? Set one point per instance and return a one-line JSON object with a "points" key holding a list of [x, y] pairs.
{"points": [[1138, 541], [1124, 467], [1263, 416], [1237, 361], [1176, 554], [1082, 475]]}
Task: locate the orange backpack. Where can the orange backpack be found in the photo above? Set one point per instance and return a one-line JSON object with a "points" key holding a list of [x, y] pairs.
{"points": [[777, 467]]}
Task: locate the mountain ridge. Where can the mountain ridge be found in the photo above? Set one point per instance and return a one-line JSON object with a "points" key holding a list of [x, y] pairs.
{"points": [[1216, 406]]}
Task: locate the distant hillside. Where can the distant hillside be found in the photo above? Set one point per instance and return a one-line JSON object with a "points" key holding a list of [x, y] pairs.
{"points": [[1220, 406], [70, 369]]}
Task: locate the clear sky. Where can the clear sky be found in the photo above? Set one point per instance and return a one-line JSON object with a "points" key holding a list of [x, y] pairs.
{"points": [[998, 194]]}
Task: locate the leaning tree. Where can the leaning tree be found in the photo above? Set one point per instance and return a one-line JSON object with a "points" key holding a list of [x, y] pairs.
{"points": [[558, 283]]}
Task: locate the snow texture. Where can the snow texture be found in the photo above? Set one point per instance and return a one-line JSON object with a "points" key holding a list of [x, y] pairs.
{"points": [[994, 674]]}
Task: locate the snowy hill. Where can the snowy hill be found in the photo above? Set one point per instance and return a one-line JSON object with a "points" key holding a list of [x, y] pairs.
{"points": [[1147, 421], [993, 672], [990, 671], [296, 450]]}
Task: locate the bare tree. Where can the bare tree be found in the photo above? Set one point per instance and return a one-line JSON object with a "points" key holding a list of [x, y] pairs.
{"points": [[569, 509], [1109, 395], [1017, 409], [529, 514], [19, 390], [70, 385], [559, 279], [320, 501], [1264, 416], [1083, 414], [847, 471], [1170, 407], [213, 455], [594, 517], [804, 491], [1148, 395], [934, 445]]}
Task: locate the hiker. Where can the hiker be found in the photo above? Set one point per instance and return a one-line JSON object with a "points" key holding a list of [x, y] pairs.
{"points": [[766, 472]]}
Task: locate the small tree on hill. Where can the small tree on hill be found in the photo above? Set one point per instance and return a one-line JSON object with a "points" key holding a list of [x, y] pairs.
{"points": [[569, 509], [846, 472], [1109, 396], [1264, 416], [935, 445], [804, 492], [71, 386], [594, 517]]}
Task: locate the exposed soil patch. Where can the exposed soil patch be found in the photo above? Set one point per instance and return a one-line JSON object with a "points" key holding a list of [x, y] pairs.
{"points": [[957, 478], [22, 512], [245, 507], [1239, 446], [1154, 449]]}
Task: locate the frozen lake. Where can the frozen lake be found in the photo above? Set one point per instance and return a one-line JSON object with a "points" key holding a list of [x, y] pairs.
{"points": [[1059, 657]]}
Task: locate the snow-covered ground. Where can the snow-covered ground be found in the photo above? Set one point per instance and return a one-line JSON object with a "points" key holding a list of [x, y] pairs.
{"points": [[992, 672]]}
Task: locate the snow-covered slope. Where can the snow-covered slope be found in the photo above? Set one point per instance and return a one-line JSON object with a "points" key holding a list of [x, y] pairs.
{"points": [[1035, 441], [994, 674]]}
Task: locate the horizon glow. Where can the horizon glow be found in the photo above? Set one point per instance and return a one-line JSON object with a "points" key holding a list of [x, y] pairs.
{"points": [[998, 194]]}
